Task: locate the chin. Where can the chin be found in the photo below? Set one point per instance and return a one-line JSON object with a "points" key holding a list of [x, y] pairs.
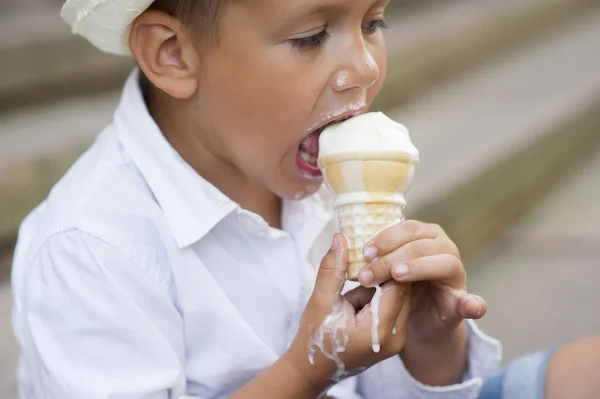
{"points": [[304, 191]]}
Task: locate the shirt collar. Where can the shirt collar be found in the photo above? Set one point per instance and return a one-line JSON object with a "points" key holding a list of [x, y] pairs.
{"points": [[305, 219], [191, 205]]}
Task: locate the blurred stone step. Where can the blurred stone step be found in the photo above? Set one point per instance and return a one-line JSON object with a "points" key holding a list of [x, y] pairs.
{"points": [[465, 125], [419, 68], [540, 278], [22, 26], [496, 140]]}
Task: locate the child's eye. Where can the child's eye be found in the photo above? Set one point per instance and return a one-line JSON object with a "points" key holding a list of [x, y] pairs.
{"points": [[371, 27], [310, 42]]}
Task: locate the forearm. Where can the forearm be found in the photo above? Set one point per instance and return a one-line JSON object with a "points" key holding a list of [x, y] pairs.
{"points": [[438, 364], [281, 380]]}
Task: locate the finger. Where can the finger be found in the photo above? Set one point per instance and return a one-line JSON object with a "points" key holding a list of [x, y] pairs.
{"points": [[394, 297], [471, 306], [381, 269], [360, 296], [332, 271], [396, 338], [443, 268], [399, 330], [393, 264], [399, 234], [387, 290]]}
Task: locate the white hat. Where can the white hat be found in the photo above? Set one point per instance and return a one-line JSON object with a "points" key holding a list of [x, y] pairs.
{"points": [[105, 23]]}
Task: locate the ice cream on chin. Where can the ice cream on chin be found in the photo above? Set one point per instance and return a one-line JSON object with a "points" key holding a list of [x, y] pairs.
{"points": [[368, 162]]}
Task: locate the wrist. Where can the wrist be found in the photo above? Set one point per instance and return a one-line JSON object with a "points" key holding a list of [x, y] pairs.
{"points": [[282, 380], [312, 377], [437, 361], [448, 337]]}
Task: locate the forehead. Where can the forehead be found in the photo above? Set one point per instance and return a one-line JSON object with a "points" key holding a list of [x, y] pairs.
{"points": [[308, 8]]}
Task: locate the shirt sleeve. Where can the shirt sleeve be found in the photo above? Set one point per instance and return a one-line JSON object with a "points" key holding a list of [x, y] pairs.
{"points": [[95, 323], [345, 390], [390, 379]]}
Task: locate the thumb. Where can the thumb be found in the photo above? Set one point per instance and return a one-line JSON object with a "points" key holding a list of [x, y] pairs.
{"points": [[332, 272]]}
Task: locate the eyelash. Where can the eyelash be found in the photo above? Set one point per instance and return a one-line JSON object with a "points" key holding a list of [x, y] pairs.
{"points": [[310, 42], [317, 40], [374, 26]]}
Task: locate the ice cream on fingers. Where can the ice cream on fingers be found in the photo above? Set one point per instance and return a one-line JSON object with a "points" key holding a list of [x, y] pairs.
{"points": [[368, 162]]}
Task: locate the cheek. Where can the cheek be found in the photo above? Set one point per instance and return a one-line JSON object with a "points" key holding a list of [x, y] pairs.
{"points": [[263, 92], [249, 108], [287, 96]]}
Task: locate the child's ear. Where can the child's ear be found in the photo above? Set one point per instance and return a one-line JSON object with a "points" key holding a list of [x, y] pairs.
{"points": [[165, 52]]}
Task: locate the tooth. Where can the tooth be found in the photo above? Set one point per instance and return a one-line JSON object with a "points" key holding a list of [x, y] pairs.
{"points": [[309, 159], [305, 156]]}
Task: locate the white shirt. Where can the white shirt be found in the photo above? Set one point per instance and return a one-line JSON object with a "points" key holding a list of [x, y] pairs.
{"points": [[137, 278]]}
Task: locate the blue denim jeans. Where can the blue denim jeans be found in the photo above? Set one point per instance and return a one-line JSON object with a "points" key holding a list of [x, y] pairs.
{"points": [[524, 378]]}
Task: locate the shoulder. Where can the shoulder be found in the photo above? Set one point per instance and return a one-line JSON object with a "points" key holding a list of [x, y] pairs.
{"points": [[104, 199]]}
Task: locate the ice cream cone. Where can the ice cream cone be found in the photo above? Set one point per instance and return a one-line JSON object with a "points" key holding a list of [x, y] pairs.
{"points": [[369, 185]]}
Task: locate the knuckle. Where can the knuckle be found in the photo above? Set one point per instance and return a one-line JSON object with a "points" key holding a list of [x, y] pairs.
{"points": [[446, 245], [411, 228], [326, 270], [389, 241], [454, 250], [437, 229], [450, 247], [417, 249], [385, 265], [330, 261], [456, 266]]}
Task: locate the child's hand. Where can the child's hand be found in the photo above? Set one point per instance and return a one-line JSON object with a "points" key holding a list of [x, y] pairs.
{"points": [[334, 340], [422, 254]]}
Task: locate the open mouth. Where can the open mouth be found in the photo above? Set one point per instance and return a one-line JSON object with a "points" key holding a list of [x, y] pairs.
{"points": [[308, 152]]}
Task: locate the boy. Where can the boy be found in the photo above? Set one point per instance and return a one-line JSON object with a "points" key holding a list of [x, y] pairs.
{"points": [[189, 251]]}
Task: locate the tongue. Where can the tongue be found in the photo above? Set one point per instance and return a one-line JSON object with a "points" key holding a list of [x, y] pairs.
{"points": [[310, 144]]}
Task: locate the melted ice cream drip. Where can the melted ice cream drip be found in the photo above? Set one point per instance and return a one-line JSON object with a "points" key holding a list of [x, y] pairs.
{"points": [[375, 319]]}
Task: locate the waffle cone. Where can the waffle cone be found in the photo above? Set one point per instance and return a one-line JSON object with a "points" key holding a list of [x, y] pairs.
{"points": [[369, 192], [360, 222]]}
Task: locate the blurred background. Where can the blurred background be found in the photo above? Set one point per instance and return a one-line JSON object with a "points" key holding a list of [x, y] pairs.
{"points": [[501, 97]]}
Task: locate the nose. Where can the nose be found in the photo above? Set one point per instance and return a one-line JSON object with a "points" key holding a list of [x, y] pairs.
{"points": [[358, 69]]}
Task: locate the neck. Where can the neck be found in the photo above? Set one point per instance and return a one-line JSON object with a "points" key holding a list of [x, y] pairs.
{"points": [[173, 118]]}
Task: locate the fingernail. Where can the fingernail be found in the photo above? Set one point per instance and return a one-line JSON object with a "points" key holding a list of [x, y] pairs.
{"points": [[336, 243], [366, 276], [400, 271], [473, 300], [370, 253]]}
